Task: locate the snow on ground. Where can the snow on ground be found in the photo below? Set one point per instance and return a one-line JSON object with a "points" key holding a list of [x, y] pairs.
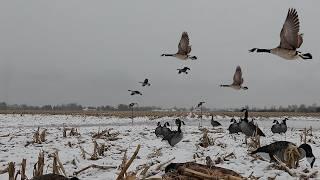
{"points": [[21, 129]]}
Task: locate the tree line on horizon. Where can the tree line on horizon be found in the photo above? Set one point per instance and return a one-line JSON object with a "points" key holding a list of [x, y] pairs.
{"points": [[125, 107]]}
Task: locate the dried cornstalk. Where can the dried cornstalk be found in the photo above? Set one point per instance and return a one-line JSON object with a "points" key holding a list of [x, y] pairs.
{"points": [[38, 167], [94, 156], [11, 170], [94, 166], [43, 136], [23, 169], [36, 136], [83, 153], [60, 164], [120, 176], [164, 163]]}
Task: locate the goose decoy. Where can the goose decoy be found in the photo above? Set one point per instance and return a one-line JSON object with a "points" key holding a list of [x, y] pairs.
{"points": [[53, 177], [145, 83], [234, 127], [290, 40], [200, 103], [158, 130], [165, 130], [183, 49], [134, 92], [276, 128], [175, 136], [249, 128], [183, 70], [214, 123], [280, 148], [283, 126], [237, 80]]}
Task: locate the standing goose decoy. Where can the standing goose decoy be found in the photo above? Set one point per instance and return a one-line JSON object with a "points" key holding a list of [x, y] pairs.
{"points": [[134, 92], [214, 123], [249, 128], [276, 128], [158, 130], [290, 40], [53, 177], [283, 126], [183, 70], [183, 49], [175, 136], [237, 80], [234, 127], [145, 83], [280, 149]]}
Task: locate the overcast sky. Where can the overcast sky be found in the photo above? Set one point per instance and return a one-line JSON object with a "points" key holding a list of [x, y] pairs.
{"points": [[92, 52]]}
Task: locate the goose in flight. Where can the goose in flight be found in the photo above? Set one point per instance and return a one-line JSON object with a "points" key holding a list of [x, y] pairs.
{"points": [[145, 83], [134, 92], [237, 80], [290, 40], [183, 70], [200, 103], [183, 49]]}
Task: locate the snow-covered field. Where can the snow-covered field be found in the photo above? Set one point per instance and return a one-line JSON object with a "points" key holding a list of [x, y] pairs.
{"points": [[21, 129]]}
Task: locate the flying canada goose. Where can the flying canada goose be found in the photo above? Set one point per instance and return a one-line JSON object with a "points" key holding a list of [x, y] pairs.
{"points": [[234, 127], [281, 148], [248, 128], [134, 92], [183, 70], [158, 130], [145, 83], [132, 104], [214, 123], [175, 136], [237, 80], [290, 40], [183, 49], [283, 126], [200, 103], [53, 177], [276, 128]]}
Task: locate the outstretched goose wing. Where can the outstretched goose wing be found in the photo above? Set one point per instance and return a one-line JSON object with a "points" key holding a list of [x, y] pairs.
{"points": [[289, 37], [237, 77], [183, 47]]}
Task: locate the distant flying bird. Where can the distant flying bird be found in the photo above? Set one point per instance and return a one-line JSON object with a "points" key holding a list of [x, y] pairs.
{"points": [[200, 103], [183, 49], [145, 83], [183, 70], [132, 104], [237, 80], [134, 92], [290, 40]]}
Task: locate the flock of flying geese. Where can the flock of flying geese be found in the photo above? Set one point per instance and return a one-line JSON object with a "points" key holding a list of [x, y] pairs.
{"points": [[290, 41]]}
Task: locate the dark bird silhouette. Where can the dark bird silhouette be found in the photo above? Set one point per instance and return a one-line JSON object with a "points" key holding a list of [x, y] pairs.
{"points": [[200, 103], [184, 49], [283, 126], [214, 123], [237, 80], [183, 70], [249, 128], [53, 177], [145, 83], [132, 104], [134, 92], [234, 127], [175, 137], [290, 40], [158, 130], [280, 147], [276, 127]]}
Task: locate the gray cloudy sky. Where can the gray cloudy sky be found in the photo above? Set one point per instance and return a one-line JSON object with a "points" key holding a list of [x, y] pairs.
{"points": [[92, 52]]}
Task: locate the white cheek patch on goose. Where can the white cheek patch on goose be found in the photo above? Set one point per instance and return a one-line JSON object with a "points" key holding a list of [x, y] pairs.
{"points": [[264, 155]]}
